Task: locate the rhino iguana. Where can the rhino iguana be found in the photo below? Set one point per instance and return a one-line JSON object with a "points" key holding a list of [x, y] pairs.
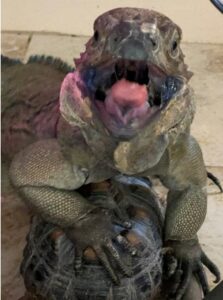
{"points": [[126, 109]]}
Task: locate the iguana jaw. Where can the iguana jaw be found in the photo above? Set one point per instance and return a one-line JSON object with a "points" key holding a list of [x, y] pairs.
{"points": [[129, 93]]}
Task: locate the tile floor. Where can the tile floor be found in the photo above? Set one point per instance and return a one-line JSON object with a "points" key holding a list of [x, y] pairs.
{"points": [[206, 61]]}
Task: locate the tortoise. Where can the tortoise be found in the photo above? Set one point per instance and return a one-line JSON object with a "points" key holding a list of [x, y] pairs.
{"points": [[49, 262], [48, 265]]}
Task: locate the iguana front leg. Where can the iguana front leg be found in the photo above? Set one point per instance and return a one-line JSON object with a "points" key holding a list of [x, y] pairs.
{"points": [[48, 182], [186, 211]]}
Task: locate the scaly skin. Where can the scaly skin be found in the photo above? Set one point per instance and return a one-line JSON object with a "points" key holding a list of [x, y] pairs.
{"points": [[100, 133]]}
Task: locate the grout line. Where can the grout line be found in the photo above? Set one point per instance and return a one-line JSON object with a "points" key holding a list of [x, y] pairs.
{"points": [[77, 35], [27, 46], [44, 33], [214, 167]]}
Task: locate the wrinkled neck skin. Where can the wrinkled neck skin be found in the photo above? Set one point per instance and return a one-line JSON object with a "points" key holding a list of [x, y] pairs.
{"points": [[77, 109], [139, 152]]}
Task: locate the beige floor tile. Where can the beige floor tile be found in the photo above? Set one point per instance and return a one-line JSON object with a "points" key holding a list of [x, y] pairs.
{"points": [[65, 47], [15, 45], [206, 61]]}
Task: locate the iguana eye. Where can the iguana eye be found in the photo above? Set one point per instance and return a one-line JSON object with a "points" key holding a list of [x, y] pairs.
{"points": [[155, 44], [174, 45], [96, 35], [174, 48]]}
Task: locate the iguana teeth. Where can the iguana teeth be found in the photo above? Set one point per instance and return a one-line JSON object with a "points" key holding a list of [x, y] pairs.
{"points": [[150, 101]]}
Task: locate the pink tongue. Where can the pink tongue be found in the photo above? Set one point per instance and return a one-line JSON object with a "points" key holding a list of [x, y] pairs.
{"points": [[124, 92]]}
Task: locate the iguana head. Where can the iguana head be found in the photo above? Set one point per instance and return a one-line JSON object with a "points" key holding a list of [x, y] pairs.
{"points": [[131, 73]]}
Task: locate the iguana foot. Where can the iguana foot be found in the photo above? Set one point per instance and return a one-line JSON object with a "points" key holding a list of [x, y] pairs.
{"points": [[98, 232], [185, 259]]}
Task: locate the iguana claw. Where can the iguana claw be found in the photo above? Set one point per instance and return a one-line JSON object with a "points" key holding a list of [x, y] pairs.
{"points": [[97, 231], [190, 260]]}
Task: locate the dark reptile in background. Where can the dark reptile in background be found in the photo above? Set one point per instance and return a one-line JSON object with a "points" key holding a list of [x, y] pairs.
{"points": [[127, 109]]}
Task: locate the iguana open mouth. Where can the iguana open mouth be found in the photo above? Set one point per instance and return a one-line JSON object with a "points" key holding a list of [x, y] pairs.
{"points": [[133, 72], [128, 93]]}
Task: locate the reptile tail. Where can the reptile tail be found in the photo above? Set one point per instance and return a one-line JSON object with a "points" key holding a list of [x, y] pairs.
{"points": [[215, 180], [55, 62], [8, 62]]}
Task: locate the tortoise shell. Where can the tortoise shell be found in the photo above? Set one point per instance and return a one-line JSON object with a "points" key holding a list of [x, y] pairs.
{"points": [[48, 263]]}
